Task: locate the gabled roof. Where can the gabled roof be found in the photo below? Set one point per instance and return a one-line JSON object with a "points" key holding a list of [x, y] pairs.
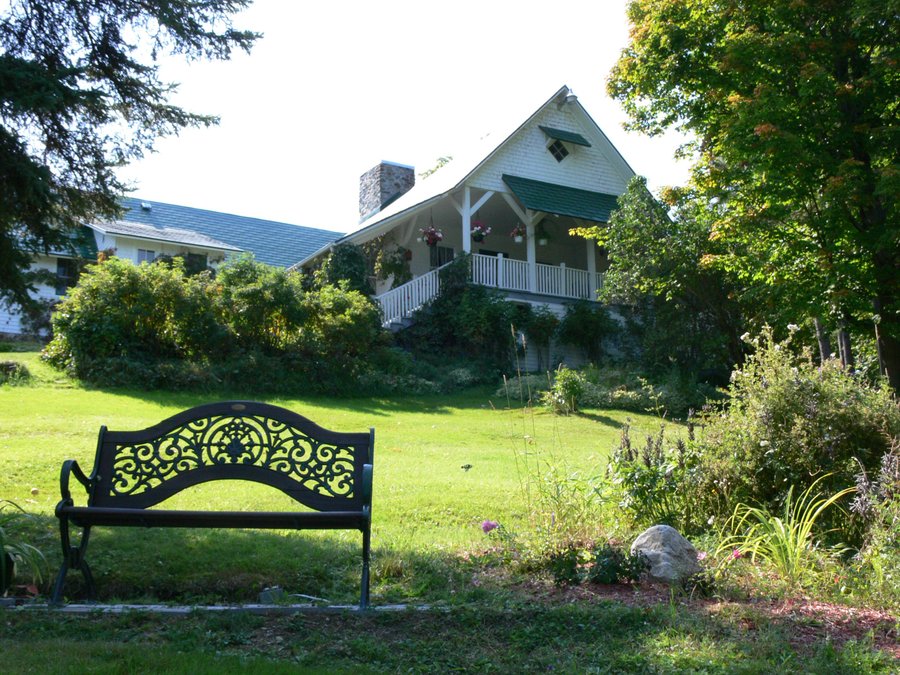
{"points": [[452, 176], [271, 242], [561, 199]]}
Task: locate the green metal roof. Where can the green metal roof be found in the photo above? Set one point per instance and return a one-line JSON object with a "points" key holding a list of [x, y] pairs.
{"points": [[563, 135], [562, 200], [79, 243]]}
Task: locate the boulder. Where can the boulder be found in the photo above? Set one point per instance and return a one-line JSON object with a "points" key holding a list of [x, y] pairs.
{"points": [[672, 557]]}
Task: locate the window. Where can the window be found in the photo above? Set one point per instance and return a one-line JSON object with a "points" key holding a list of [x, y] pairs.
{"points": [[66, 275], [145, 255], [440, 255], [558, 150]]}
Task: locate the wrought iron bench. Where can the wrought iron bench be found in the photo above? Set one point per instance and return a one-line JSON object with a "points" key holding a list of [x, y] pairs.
{"points": [[326, 471]]}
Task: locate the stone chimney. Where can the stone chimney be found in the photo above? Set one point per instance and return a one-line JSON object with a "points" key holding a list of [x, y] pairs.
{"points": [[381, 185]]}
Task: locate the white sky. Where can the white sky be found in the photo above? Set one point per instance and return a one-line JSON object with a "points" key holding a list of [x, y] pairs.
{"points": [[333, 88]]}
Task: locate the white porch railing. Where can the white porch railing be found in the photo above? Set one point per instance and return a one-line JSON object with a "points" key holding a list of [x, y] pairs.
{"points": [[399, 303], [512, 275], [497, 272]]}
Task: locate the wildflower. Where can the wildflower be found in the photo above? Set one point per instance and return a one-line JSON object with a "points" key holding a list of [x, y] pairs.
{"points": [[763, 444], [701, 556], [745, 337], [735, 554], [489, 525], [793, 328]]}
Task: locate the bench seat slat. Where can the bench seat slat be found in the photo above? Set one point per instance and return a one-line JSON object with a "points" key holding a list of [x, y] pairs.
{"points": [[302, 520]]}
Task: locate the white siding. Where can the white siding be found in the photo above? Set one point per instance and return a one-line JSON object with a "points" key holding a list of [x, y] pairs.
{"points": [[526, 155], [10, 317]]}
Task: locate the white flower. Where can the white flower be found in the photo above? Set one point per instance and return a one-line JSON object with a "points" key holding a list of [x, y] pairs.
{"points": [[793, 328], [763, 444], [745, 337]]}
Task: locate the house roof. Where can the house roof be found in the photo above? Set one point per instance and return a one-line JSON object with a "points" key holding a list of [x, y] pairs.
{"points": [[451, 176], [81, 245], [271, 242], [166, 234], [563, 135], [561, 199]]}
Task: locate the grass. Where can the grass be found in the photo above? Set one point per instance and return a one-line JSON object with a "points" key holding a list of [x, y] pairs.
{"points": [[427, 549]]}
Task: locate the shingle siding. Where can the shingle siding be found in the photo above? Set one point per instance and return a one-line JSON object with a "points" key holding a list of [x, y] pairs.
{"points": [[526, 155]]}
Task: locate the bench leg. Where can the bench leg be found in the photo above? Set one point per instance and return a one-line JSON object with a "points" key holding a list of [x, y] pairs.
{"points": [[73, 556], [364, 593]]}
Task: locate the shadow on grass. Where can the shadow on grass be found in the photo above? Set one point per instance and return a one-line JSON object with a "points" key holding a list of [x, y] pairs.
{"points": [[376, 406]]}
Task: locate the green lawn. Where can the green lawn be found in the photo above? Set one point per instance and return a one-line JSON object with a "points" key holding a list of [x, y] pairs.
{"points": [[427, 543], [427, 508]]}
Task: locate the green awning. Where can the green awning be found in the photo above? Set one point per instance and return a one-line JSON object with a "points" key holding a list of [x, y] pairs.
{"points": [[561, 200], [563, 135]]}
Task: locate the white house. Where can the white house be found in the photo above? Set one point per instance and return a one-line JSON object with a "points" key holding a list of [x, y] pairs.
{"points": [[148, 230], [557, 170]]}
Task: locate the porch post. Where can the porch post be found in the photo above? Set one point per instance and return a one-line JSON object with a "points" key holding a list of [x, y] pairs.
{"points": [[500, 270], [467, 220], [532, 257], [592, 268]]}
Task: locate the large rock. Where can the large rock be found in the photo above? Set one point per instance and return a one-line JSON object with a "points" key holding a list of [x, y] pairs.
{"points": [[672, 557]]}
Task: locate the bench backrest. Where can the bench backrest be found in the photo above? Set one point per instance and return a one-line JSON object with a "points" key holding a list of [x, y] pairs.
{"points": [[233, 440]]}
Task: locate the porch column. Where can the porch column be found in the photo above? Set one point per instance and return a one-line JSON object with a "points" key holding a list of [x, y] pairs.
{"points": [[500, 279], [532, 257], [467, 220], [592, 268]]}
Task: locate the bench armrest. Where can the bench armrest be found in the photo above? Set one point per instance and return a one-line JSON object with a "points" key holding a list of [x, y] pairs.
{"points": [[70, 468], [367, 484]]}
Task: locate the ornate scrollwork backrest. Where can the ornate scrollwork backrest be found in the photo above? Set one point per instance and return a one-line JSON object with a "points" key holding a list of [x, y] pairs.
{"points": [[248, 446]]}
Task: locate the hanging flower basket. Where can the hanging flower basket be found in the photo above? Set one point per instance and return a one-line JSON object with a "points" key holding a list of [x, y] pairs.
{"points": [[479, 230], [518, 233], [431, 235]]}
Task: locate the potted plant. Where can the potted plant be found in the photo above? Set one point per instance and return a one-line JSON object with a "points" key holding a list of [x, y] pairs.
{"points": [[518, 233], [479, 230], [431, 235], [16, 552], [541, 235]]}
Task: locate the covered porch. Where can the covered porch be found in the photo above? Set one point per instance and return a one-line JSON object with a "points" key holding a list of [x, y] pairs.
{"points": [[528, 248]]}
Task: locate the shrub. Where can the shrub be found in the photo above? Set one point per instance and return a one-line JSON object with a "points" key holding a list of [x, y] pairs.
{"points": [[261, 306], [788, 421], [347, 263], [540, 329], [611, 565], [13, 372], [585, 326], [661, 483], [568, 388], [877, 502]]}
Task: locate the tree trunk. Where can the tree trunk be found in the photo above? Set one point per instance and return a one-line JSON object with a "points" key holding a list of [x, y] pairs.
{"points": [[844, 347], [824, 341]]}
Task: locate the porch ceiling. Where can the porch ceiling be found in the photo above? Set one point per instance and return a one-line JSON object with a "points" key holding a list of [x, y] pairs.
{"points": [[562, 200]]}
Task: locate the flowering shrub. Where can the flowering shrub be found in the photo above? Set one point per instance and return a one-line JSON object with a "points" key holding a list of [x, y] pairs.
{"points": [[787, 421]]}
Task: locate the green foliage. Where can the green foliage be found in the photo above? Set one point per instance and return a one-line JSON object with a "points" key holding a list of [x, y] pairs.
{"points": [[787, 542], [567, 390], [347, 263], [465, 321], [586, 325], [787, 421], [252, 327], [541, 327], [661, 483], [13, 372], [14, 549], [261, 306], [793, 108], [611, 565], [877, 501], [71, 73]]}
